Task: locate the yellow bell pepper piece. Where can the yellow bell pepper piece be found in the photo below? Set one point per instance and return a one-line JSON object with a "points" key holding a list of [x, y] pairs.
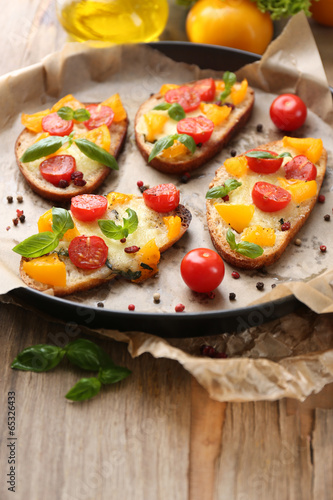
{"points": [[118, 198], [263, 236], [237, 216], [114, 102], [311, 148], [45, 224], [168, 86], [176, 149], [155, 123], [100, 136], [217, 114], [41, 136], [149, 255], [236, 166], [34, 122], [48, 269], [219, 85], [299, 190], [238, 95], [174, 224], [68, 100]]}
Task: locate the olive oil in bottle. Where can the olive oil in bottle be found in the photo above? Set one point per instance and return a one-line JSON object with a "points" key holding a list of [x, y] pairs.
{"points": [[115, 21]]}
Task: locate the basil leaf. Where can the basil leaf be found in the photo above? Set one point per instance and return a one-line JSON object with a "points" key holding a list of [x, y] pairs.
{"points": [[44, 147], [248, 249], [131, 222], [161, 144], [163, 106], [112, 375], [66, 113], [37, 245], [111, 230], [145, 266], [267, 155], [222, 191], [176, 112], [129, 275], [251, 250], [229, 79], [87, 355], [61, 221], [188, 141], [96, 153], [81, 115], [38, 358], [85, 388], [230, 237]]}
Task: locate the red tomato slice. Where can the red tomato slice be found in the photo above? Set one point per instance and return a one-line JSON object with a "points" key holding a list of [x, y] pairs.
{"points": [[270, 198], [202, 270], [162, 198], [187, 97], [55, 125], [88, 252], [88, 207], [300, 168], [264, 165], [58, 168], [99, 115], [205, 89], [198, 127]]}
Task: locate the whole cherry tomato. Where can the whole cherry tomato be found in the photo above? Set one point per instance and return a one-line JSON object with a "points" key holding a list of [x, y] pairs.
{"points": [[55, 125], [162, 198], [99, 115], [300, 168], [270, 198], [199, 128], [88, 252], [57, 168], [187, 97], [288, 112], [202, 270], [88, 207]]}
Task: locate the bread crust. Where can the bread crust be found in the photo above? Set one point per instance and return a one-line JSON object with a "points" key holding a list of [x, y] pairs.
{"points": [[219, 139], [118, 132], [89, 279], [218, 227]]}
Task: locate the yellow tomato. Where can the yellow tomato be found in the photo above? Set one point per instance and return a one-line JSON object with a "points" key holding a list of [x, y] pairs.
{"points": [[322, 12], [232, 23]]}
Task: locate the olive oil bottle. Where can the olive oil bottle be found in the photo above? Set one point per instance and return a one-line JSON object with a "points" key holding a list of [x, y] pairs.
{"points": [[115, 21]]}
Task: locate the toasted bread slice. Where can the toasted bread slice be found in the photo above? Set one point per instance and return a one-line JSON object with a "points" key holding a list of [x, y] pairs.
{"points": [[94, 173], [187, 162], [296, 213], [151, 227]]}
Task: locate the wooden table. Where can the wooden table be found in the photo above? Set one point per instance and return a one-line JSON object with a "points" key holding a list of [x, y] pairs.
{"points": [[157, 435]]}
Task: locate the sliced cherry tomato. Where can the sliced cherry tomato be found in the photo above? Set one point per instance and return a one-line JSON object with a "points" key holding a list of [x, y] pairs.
{"points": [[88, 252], [55, 125], [187, 97], [288, 112], [300, 168], [205, 89], [99, 115], [162, 198], [264, 165], [202, 270], [270, 198], [88, 207], [198, 127], [57, 168]]}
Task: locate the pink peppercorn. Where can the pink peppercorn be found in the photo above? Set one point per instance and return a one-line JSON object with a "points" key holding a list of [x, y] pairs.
{"points": [[323, 248], [235, 275], [321, 198], [139, 184], [131, 307], [285, 226], [179, 308]]}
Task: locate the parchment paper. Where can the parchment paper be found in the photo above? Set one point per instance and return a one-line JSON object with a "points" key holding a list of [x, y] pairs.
{"points": [[291, 64]]}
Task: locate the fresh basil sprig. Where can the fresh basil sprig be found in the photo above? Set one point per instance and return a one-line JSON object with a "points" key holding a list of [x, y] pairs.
{"points": [[229, 79], [167, 142], [79, 115], [116, 232], [82, 353], [222, 191], [51, 144], [266, 155], [175, 110], [45, 242], [251, 250]]}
